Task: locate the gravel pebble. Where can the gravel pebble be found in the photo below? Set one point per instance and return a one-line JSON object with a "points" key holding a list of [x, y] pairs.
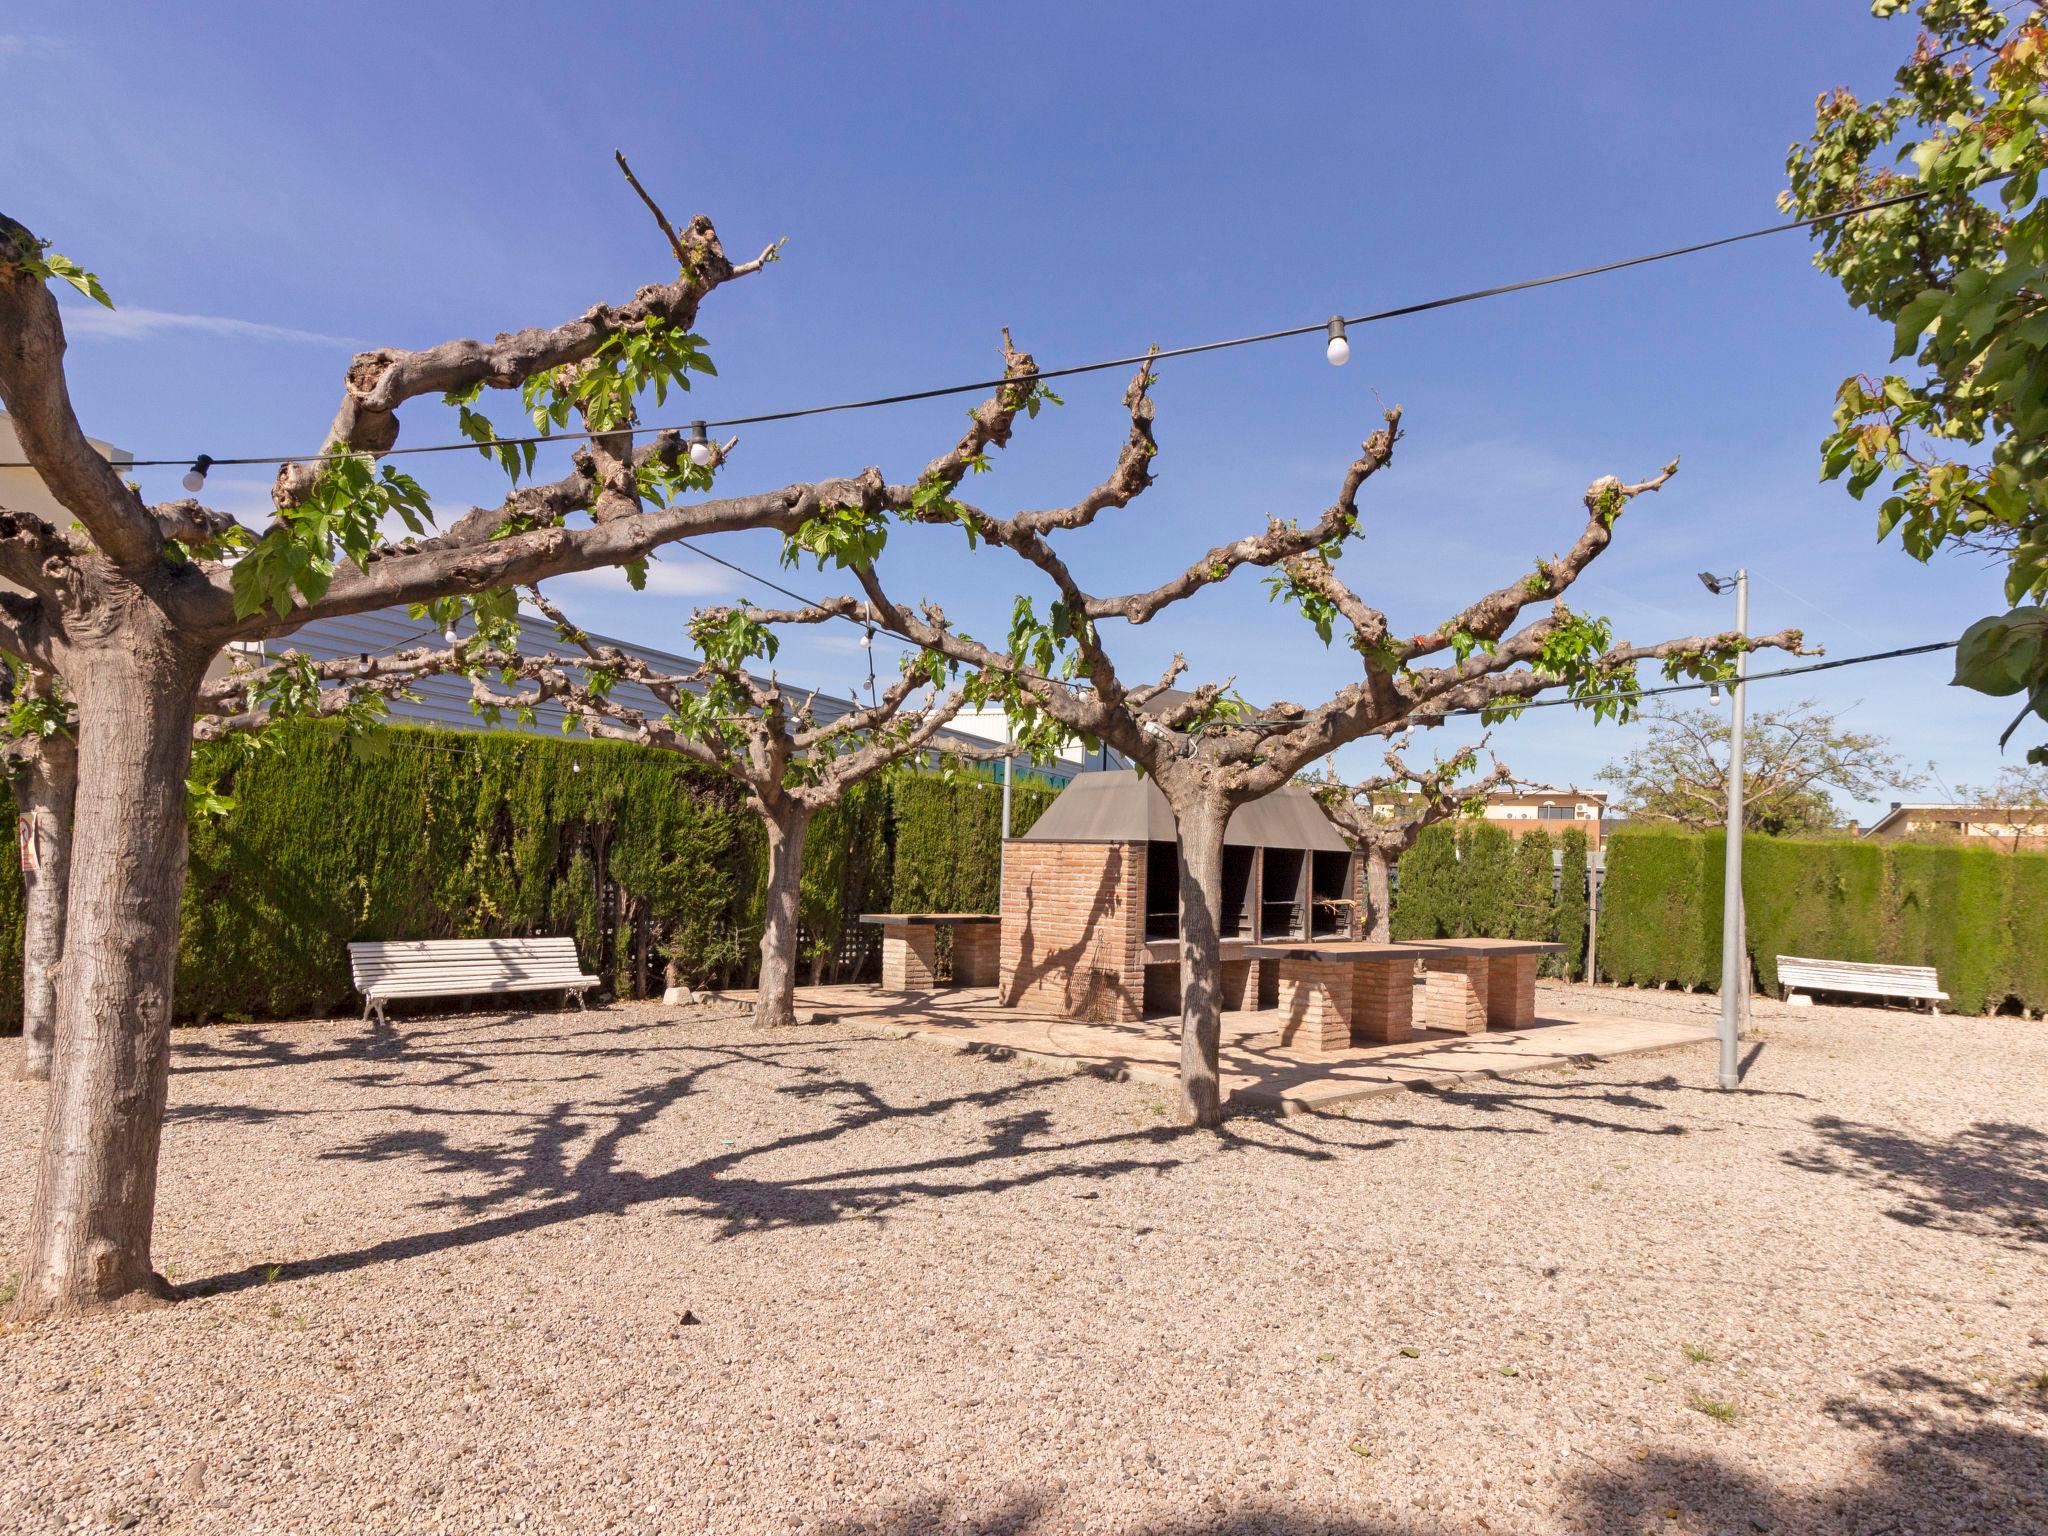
{"points": [[651, 1269]]}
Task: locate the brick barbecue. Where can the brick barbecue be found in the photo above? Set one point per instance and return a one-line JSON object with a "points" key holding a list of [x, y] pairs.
{"points": [[1091, 894]]}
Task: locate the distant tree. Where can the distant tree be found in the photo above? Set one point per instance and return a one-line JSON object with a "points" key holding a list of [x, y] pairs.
{"points": [[1532, 913], [1384, 815], [1962, 277], [1794, 760], [2016, 803]]}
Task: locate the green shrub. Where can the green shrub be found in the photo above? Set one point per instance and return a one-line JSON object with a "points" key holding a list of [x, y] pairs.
{"points": [[1572, 907], [1533, 913], [1979, 917], [947, 836], [653, 864], [1428, 902], [1486, 877]]}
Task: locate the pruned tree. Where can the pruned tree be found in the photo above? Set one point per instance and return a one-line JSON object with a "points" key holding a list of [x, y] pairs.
{"points": [[1208, 750], [131, 602], [768, 741], [1795, 760], [1382, 816]]}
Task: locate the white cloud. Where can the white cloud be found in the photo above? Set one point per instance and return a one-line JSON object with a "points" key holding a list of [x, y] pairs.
{"points": [[130, 324]]}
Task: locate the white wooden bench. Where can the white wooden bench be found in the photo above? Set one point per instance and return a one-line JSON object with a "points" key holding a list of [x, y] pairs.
{"points": [[463, 967], [1914, 982]]}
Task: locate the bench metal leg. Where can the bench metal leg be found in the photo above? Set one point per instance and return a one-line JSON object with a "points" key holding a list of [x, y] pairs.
{"points": [[578, 995]]}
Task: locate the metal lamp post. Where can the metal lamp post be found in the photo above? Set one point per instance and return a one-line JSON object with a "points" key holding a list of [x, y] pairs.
{"points": [[1734, 955]]}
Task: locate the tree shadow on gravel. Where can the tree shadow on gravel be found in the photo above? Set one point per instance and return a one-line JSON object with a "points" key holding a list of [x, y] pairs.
{"points": [[1940, 1456], [567, 1160], [1581, 1103], [1988, 1180], [463, 1048]]}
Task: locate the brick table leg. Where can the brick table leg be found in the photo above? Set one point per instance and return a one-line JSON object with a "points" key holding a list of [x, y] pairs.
{"points": [[976, 947], [1383, 1002], [1454, 993], [1511, 992], [1315, 1005], [909, 957]]}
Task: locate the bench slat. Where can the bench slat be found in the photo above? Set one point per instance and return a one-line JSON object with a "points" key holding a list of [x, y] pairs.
{"points": [[1868, 978], [395, 968]]}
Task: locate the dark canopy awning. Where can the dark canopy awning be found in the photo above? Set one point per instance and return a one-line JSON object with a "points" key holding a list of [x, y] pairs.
{"points": [[1126, 807]]}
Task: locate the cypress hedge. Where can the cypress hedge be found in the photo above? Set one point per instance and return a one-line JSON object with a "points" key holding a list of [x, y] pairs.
{"points": [[1486, 870], [1429, 903], [1472, 879], [653, 864], [1978, 916], [1533, 903], [1573, 909]]}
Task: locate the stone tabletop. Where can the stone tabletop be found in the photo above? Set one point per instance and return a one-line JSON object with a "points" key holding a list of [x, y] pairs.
{"points": [[1335, 950], [1488, 946], [928, 919]]}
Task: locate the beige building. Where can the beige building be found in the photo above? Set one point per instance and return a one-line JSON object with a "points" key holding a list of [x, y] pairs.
{"points": [[2014, 829], [1548, 808], [22, 490]]}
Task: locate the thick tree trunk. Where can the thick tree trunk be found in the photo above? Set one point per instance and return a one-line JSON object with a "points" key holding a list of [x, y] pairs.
{"points": [[45, 793], [1379, 897], [89, 1227], [1201, 962], [776, 1002]]}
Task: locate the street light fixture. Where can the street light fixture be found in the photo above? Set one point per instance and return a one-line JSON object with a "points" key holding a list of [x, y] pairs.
{"points": [[1734, 955]]}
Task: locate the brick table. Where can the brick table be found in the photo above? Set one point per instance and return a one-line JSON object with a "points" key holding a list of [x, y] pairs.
{"points": [[910, 948], [1343, 993], [1472, 985]]}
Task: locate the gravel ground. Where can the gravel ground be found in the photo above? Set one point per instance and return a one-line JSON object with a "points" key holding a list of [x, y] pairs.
{"points": [[648, 1269]]}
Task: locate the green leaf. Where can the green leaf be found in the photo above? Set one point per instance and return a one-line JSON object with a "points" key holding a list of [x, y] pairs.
{"points": [[2003, 654]]}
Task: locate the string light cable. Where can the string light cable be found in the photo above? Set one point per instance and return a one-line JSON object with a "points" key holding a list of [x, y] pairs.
{"points": [[1337, 350]]}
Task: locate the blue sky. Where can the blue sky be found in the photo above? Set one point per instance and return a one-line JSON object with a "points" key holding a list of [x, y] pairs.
{"points": [[266, 189]]}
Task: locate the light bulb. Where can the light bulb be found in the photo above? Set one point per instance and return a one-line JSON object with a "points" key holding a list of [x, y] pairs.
{"points": [[867, 638], [1339, 350], [702, 454], [451, 636], [195, 478], [1713, 693]]}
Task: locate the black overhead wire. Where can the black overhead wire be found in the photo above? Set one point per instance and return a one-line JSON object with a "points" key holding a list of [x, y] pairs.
{"points": [[1517, 706]]}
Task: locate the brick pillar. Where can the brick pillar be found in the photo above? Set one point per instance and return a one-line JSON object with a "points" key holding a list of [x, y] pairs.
{"points": [[1384, 1002], [909, 957], [1511, 992], [1454, 993], [976, 949], [1315, 1005]]}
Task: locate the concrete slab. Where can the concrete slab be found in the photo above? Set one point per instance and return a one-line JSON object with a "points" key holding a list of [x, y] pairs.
{"points": [[1259, 1071]]}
